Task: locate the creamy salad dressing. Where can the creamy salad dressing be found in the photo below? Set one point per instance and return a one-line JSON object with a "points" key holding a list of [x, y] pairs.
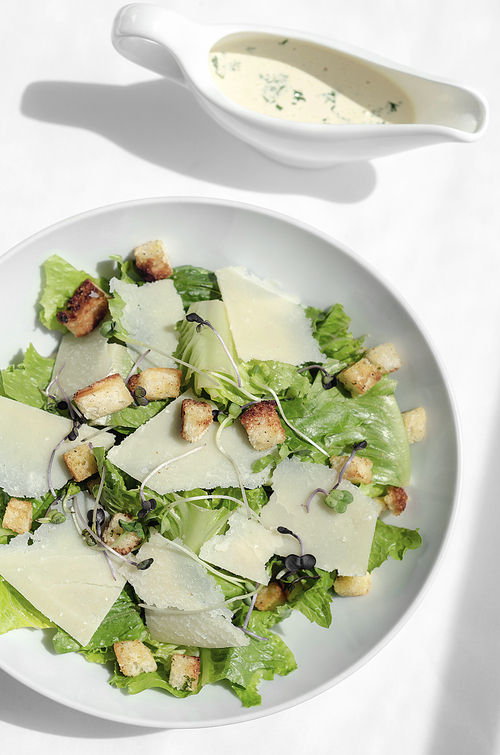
{"points": [[301, 81]]}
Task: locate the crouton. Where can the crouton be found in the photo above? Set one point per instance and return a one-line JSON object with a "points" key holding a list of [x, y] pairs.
{"points": [[262, 423], [134, 657], [85, 309], [184, 672], [359, 377], [352, 587], [358, 471], [152, 261], [395, 500], [270, 597], [81, 462], [384, 358], [415, 422], [18, 516], [158, 382], [114, 530], [196, 418], [103, 397]]}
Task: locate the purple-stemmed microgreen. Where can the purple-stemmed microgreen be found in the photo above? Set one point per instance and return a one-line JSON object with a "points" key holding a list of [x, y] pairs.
{"points": [[135, 366], [245, 628], [97, 540], [193, 317], [338, 499], [124, 338], [328, 381], [293, 562]]}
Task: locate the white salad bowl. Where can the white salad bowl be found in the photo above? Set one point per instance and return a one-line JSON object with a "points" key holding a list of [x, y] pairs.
{"points": [[171, 45], [212, 234]]}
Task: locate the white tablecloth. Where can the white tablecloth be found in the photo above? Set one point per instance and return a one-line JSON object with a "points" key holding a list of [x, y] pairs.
{"points": [[82, 127]]}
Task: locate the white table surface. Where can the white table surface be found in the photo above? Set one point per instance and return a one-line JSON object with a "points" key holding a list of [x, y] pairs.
{"points": [[82, 127]]}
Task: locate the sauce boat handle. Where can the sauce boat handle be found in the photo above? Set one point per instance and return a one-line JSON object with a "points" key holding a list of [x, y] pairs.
{"points": [[142, 32]]}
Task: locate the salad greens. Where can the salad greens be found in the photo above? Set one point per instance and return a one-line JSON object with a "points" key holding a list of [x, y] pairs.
{"points": [[314, 408]]}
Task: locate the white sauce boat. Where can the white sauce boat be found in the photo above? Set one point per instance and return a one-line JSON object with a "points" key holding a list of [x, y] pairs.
{"points": [[178, 49]]}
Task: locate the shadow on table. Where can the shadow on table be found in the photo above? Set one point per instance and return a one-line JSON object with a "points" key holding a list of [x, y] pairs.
{"points": [[25, 708], [161, 122], [468, 718]]}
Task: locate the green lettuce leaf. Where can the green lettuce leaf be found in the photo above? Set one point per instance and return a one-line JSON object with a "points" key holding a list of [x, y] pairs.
{"points": [[60, 282], [195, 284], [16, 612], [330, 328], [123, 622], [26, 381], [392, 541], [336, 421], [314, 602]]}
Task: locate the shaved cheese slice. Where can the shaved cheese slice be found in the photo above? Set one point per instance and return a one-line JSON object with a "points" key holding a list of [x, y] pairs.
{"points": [[27, 438], [68, 581], [266, 323], [80, 362], [176, 581], [159, 439], [150, 314], [244, 549], [338, 541]]}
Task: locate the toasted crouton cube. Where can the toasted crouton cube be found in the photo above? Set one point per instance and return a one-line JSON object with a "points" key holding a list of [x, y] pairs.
{"points": [[158, 382], [114, 530], [270, 597], [152, 261], [359, 377], [395, 500], [352, 587], [81, 462], [384, 357], [415, 422], [358, 471], [262, 423], [103, 397], [85, 309], [184, 672], [18, 516], [134, 657], [196, 418]]}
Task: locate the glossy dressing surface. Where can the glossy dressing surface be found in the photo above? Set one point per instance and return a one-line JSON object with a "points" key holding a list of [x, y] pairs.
{"points": [[301, 81]]}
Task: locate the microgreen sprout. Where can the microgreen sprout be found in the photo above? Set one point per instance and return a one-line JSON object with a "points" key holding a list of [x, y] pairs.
{"points": [[72, 435], [293, 562], [244, 628], [104, 547], [194, 611], [52, 517], [137, 363], [193, 317], [356, 447], [110, 329], [236, 468], [161, 466], [139, 395], [329, 380], [147, 506]]}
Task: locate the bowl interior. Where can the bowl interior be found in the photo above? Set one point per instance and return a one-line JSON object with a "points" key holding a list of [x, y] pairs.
{"points": [[212, 234]]}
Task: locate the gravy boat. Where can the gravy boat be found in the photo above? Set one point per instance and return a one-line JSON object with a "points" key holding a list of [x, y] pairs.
{"points": [[169, 44]]}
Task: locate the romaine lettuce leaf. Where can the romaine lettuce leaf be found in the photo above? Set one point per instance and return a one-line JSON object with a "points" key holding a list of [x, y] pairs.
{"points": [[26, 381], [336, 421], [195, 284], [16, 612], [389, 540], [60, 282], [330, 328]]}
